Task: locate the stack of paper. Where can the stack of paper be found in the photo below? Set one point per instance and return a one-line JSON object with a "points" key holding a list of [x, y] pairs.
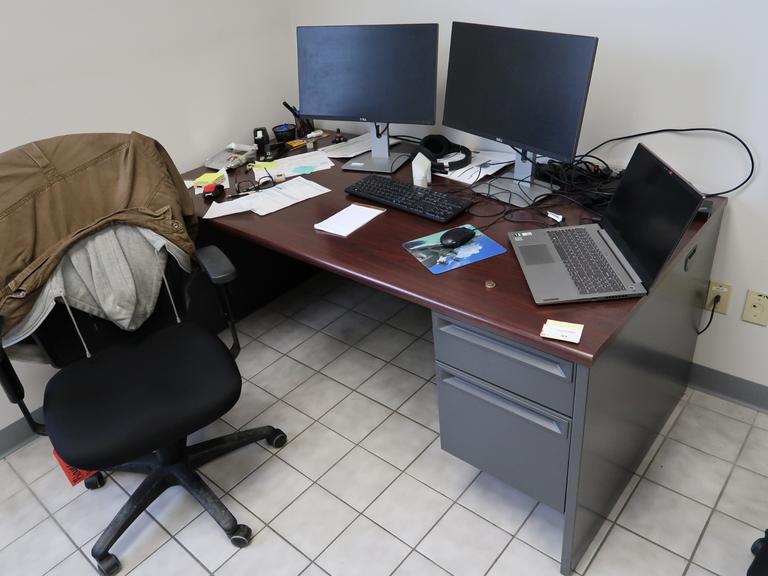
{"points": [[348, 220], [293, 165], [270, 200], [209, 178], [224, 181], [286, 194], [352, 147], [484, 162]]}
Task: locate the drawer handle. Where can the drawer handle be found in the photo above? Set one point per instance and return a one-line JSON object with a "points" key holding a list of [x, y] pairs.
{"points": [[534, 361], [688, 258], [506, 403]]}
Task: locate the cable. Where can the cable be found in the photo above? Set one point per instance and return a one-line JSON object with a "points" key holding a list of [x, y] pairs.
{"points": [[683, 130], [395, 159], [381, 133], [715, 302]]}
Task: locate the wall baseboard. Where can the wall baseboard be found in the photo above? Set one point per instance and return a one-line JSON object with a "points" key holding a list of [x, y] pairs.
{"points": [[17, 433], [729, 387]]}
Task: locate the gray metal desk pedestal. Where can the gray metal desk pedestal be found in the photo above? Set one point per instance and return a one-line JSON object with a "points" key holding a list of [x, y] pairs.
{"points": [[567, 434]]}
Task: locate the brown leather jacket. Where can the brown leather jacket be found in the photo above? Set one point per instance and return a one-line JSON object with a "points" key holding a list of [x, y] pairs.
{"points": [[54, 192]]}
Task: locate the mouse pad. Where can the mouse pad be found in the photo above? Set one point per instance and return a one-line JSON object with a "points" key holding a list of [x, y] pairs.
{"points": [[438, 259]]}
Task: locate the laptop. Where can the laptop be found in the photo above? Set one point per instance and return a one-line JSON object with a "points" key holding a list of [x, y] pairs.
{"points": [[620, 257]]}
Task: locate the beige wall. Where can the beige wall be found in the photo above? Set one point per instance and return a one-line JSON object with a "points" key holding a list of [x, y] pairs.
{"points": [[659, 64]]}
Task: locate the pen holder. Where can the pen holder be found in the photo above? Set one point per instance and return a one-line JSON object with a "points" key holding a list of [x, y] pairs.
{"points": [[284, 132]]}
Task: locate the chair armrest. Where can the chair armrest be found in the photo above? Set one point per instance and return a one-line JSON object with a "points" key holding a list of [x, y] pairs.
{"points": [[221, 272], [216, 265]]}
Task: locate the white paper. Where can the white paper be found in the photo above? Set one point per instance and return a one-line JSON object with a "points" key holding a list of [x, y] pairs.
{"points": [[346, 221], [352, 147], [483, 163], [199, 189], [242, 204], [189, 183], [285, 194], [304, 163]]}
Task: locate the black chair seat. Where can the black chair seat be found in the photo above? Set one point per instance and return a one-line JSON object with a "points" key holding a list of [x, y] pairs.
{"points": [[130, 400]]}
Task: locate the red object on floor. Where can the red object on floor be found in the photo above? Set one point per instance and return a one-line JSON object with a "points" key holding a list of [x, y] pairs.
{"points": [[74, 475]]}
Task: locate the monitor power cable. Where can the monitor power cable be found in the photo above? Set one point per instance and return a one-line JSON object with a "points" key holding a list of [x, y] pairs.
{"points": [[715, 302]]}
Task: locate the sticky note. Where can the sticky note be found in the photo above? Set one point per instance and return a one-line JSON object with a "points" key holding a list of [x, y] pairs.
{"points": [[209, 178], [566, 331]]}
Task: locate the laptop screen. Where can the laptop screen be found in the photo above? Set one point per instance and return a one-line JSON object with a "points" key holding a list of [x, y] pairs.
{"points": [[649, 213]]}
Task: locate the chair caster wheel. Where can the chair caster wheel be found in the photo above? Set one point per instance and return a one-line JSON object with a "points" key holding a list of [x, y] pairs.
{"points": [[241, 537], [757, 545], [109, 565], [96, 481], [278, 438]]}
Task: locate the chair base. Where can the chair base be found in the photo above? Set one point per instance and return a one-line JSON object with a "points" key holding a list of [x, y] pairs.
{"points": [[171, 466]]}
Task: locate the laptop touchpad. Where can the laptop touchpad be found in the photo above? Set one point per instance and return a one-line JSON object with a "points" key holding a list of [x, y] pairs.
{"points": [[536, 254]]}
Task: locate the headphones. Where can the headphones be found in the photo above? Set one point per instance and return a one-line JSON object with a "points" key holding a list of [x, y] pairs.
{"points": [[435, 146]]}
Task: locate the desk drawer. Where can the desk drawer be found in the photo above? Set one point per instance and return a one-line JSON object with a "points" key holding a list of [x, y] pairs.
{"points": [[513, 439], [545, 379]]}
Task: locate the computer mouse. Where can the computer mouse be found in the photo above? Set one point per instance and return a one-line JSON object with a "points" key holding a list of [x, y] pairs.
{"points": [[456, 237]]}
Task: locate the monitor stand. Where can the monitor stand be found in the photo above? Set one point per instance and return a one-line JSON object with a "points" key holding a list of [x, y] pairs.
{"points": [[378, 159], [519, 184]]}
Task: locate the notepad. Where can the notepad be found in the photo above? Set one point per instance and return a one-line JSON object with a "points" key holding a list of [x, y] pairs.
{"points": [[210, 178], [346, 221]]}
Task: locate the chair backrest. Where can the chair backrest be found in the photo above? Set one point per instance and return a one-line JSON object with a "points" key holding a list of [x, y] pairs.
{"points": [[68, 335]]}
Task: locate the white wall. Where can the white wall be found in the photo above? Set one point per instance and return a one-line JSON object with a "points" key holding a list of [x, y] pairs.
{"points": [[193, 74], [659, 64]]}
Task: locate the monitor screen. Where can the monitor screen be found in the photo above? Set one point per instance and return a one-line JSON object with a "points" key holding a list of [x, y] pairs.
{"points": [[523, 88], [380, 73], [649, 213]]}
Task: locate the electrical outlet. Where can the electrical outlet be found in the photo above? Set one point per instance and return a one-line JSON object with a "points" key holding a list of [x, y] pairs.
{"points": [[756, 308], [724, 290]]}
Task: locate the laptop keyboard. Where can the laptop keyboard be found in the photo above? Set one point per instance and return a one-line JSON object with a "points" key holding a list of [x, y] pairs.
{"points": [[587, 266]]}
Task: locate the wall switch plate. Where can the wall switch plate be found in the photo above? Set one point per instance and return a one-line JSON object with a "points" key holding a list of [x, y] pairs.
{"points": [[756, 308], [724, 290]]}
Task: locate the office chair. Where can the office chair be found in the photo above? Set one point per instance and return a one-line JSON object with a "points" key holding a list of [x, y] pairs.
{"points": [[127, 401]]}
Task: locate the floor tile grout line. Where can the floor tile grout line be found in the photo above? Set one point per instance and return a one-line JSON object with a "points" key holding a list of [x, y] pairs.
{"points": [[28, 487], [684, 401], [362, 513], [514, 536], [719, 497]]}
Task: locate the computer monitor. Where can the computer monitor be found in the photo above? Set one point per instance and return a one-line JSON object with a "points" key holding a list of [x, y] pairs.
{"points": [[524, 88], [373, 74]]}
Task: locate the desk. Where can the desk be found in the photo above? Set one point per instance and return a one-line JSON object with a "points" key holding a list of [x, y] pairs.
{"points": [[566, 423]]}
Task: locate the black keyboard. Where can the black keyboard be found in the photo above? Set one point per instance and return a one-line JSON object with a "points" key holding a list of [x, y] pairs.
{"points": [[587, 266], [409, 198]]}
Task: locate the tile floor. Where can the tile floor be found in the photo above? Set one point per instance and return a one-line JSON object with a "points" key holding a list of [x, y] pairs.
{"points": [[363, 488]]}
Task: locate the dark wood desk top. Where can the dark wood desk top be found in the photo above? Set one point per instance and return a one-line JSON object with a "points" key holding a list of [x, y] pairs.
{"points": [[374, 256]]}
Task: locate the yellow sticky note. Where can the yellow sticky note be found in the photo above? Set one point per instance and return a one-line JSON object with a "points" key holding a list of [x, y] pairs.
{"points": [[209, 178], [272, 164], [567, 331]]}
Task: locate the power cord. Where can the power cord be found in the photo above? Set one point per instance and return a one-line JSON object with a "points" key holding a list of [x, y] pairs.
{"points": [[715, 302], [680, 131]]}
